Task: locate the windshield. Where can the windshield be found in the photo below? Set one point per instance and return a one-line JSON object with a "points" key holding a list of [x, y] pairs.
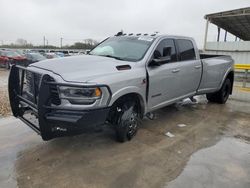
{"points": [[124, 48], [11, 54]]}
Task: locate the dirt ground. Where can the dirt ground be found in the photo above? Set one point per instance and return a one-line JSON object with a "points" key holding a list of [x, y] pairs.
{"points": [[4, 99], [212, 150]]}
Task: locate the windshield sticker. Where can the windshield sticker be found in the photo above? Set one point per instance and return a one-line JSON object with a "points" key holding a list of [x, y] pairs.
{"points": [[149, 39]]}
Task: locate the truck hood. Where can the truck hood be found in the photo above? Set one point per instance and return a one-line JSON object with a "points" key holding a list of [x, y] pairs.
{"points": [[81, 68]]}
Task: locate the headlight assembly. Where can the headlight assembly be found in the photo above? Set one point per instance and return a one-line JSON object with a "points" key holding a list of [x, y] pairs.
{"points": [[79, 95]]}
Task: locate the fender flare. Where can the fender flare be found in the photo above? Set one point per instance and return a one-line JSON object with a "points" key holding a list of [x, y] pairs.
{"points": [[226, 75], [129, 90]]}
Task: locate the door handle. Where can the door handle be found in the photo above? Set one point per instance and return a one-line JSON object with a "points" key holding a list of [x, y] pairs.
{"points": [[175, 70], [197, 66]]}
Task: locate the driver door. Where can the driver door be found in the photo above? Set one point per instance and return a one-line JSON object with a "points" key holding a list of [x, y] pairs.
{"points": [[163, 79]]}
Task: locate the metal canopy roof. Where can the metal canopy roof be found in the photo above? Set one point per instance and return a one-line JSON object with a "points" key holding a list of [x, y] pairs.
{"points": [[236, 22]]}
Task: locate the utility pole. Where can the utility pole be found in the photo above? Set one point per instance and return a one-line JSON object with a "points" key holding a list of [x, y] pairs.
{"points": [[47, 41], [44, 41], [61, 41]]}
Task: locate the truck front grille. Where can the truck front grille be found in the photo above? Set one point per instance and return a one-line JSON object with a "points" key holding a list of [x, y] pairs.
{"points": [[32, 87], [54, 93]]}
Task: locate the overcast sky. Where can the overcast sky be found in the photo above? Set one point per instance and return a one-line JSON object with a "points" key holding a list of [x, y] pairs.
{"points": [[75, 20]]}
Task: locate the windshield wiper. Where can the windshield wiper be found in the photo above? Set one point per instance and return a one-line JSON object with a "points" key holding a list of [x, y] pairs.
{"points": [[118, 58]]}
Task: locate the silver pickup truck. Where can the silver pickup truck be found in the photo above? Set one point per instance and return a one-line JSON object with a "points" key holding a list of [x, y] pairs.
{"points": [[120, 81]]}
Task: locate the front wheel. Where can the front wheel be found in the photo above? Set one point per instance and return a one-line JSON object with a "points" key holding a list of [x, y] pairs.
{"points": [[128, 121], [222, 95]]}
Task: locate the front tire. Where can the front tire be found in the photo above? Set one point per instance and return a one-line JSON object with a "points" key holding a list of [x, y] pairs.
{"points": [[222, 95], [128, 120]]}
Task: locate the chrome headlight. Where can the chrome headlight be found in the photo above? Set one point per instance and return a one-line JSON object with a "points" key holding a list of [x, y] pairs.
{"points": [[79, 95]]}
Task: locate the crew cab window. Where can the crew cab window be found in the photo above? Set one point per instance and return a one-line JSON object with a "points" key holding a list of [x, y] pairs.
{"points": [[186, 49], [164, 46]]}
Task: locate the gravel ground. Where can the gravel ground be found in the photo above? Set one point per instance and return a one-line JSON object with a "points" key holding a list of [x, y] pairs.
{"points": [[4, 99]]}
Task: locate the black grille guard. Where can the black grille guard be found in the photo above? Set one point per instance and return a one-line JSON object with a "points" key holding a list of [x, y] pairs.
{"points": [[41, 105]]}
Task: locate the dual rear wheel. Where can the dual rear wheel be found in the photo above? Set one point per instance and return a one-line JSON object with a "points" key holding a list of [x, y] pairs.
{"points": [[222, 95]]}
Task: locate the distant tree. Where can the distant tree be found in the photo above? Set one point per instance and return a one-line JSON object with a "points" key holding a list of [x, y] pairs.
{"points": [[87, 44], [21, 42], [90, 42]]}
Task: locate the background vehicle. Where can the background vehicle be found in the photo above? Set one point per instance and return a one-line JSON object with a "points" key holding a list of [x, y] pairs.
{"points": [[34, 57], [81, 53], [60, 54], [121, 80], [51, 55], [14, 58], [4, 61]]}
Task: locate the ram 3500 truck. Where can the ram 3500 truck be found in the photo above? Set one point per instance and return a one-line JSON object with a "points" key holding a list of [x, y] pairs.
{"points": [[119, 81]]}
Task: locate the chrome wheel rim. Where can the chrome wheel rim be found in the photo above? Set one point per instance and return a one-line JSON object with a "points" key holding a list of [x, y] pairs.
{"points": [[133, 124]]}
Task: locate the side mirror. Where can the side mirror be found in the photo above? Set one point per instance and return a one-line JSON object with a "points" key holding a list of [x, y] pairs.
{"points": [[159, 62]]}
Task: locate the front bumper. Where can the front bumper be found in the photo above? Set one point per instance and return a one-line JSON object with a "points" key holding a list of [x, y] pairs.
{"points": [[42, 115]]}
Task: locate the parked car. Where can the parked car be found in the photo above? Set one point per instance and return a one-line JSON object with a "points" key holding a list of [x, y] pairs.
{"points": [[122, 79], [4, 61], [87, 51], [34, 57], [14, 58], [60, 54], [66, 53], [81, 53], [51, 55]]}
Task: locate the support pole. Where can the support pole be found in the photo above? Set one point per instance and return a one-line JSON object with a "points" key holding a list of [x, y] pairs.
{"points": [[218, 36], [205, 37], [225, 38]]}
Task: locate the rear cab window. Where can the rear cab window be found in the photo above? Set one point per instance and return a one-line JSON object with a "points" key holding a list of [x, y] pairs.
{"points": [[186, 50]]}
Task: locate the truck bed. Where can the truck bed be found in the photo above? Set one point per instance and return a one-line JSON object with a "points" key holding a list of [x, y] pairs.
{"points": [[214, 68]]}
